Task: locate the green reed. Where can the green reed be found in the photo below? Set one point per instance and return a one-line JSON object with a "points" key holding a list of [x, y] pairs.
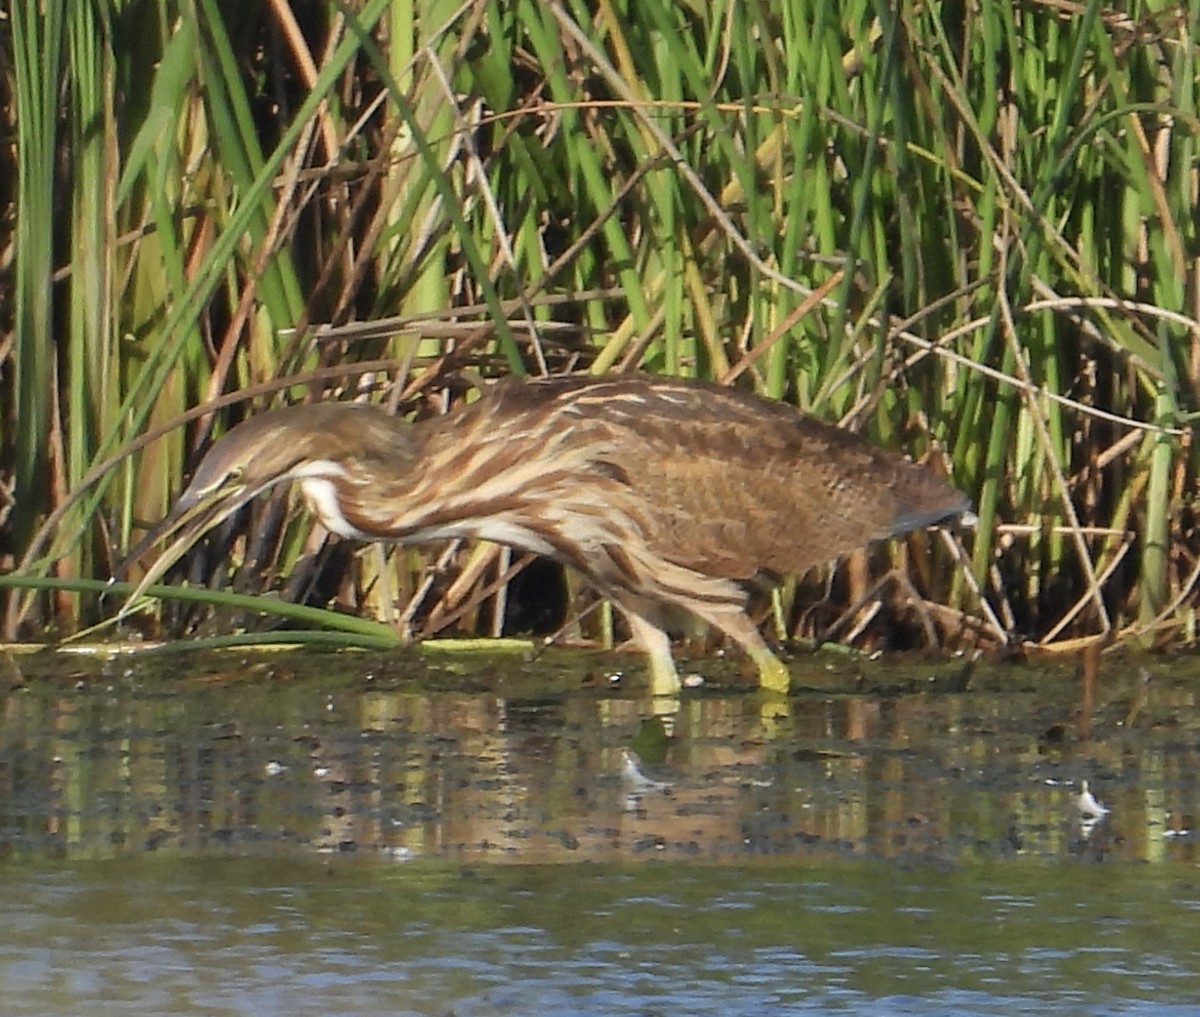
{"points": [[996, 203]]}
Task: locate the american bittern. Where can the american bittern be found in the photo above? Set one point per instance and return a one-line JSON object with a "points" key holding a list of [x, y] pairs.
{"points": [[663, 493]]}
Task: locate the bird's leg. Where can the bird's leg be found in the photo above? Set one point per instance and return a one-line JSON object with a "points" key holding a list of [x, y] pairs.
{"points": [[773, 675], [664, 679]]}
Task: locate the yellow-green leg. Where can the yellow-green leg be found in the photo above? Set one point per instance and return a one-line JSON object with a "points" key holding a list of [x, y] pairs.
{"points": [[773, 675], [664, 679]]}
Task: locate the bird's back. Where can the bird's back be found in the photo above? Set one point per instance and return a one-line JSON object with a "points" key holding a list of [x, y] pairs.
{"points": [[721, 481]]}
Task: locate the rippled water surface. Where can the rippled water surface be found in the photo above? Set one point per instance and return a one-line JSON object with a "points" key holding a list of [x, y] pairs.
{"points": [[354, 834]]}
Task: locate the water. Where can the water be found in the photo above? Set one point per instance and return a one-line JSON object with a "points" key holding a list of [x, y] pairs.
{"points": [[385, 835], [243, 936]]}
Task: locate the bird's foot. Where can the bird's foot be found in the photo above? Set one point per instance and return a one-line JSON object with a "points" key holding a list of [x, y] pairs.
{"points": [[773, 675]]}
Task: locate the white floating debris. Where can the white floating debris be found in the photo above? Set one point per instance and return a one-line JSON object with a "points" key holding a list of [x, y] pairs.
{"points": [[692, 681], [274, 768]]}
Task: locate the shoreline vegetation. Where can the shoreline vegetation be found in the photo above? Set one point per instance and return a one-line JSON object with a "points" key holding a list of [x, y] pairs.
{"points": [[965, 231]]}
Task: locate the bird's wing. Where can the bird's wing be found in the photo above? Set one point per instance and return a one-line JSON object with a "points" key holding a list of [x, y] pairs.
{"points": [[735, 485]]}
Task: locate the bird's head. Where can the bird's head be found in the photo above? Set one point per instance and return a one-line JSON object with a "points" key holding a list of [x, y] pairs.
{"points": [[279, 446]]}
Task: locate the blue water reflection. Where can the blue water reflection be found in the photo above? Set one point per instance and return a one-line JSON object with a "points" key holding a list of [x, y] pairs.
{"points": [[246, 936]]}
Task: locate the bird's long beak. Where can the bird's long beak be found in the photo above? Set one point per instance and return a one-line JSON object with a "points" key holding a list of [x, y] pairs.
{"points": [[192, 517]]}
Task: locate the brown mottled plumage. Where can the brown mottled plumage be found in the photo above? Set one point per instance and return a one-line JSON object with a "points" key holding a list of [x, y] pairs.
{"points": [[662, 492]]}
